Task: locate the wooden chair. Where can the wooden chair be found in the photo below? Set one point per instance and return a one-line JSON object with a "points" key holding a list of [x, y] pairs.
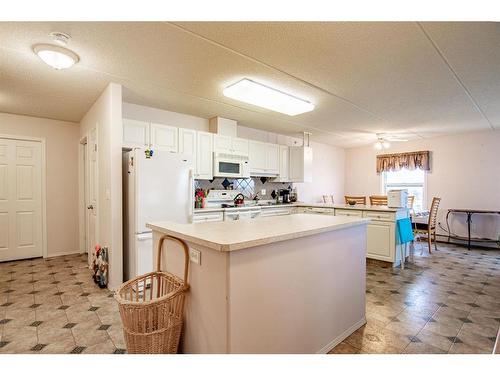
{"points": [[358, 199], [378, 200], [328, 199], [429, 229]]}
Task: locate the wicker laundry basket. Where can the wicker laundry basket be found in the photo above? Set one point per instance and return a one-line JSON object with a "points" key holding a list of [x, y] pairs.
{"points": [[152, 306]]}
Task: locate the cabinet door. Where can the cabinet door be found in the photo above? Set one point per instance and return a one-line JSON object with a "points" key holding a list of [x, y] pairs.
{"points": [[187, 141], [135, 133], [284, 173], [380, 242], [272, 158], [222, 143], [240, 146], [204, 156], [164, 137], [257, 156]]}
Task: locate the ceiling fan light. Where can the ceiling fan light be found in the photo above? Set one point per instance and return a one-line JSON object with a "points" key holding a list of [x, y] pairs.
{"points": [[55, 56], [378, 145], [386, 144]]}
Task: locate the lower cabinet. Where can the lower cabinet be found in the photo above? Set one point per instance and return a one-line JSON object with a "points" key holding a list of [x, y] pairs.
{"points": [[204, 217], [381, 240]]}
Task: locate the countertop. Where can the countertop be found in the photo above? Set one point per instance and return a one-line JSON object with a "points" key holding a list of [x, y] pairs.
{"points": [[302, 204], [242, 234]]}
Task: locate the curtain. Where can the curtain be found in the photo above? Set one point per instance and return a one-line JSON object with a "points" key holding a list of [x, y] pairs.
{"points": [[408, 160]]}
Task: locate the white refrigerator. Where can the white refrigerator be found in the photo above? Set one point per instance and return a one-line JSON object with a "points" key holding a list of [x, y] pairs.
{"points": [[160, 188]]}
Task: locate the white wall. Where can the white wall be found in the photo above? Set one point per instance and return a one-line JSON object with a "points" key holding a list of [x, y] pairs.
{"points": [[62, 175], [106, 116], [465, 173], [328, 165]]}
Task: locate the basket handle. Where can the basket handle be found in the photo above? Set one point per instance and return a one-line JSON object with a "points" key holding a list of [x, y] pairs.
{"points": [[186, 254]]}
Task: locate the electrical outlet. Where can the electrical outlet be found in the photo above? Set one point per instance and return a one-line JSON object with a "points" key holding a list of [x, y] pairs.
{"points": [[263, 192], [195, 256]]}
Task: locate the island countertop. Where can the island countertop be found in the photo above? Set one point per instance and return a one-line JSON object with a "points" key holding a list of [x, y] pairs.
{"points": [[242, 234]]}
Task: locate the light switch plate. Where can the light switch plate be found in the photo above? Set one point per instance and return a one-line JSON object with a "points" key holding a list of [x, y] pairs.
{"points": [[195, 256], [263, 192]]}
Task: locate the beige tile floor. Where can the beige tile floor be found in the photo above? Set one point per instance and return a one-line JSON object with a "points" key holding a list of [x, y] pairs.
{"points": [[446, 302], [53, 306]]}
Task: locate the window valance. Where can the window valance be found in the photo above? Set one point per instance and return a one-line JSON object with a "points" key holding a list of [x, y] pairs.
{"points": [[408, 160]]}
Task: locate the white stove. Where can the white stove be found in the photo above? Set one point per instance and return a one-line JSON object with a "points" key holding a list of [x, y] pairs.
{"points": [[225, 199]]}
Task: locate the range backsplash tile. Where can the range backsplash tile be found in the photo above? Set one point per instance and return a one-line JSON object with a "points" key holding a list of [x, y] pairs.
{"points": [[248, 186]]}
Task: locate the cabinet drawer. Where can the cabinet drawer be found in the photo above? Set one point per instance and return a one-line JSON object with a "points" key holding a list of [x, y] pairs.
{"points": [[275, 211], [323, 211], [341, 212], [378, 215], [207, 217]]}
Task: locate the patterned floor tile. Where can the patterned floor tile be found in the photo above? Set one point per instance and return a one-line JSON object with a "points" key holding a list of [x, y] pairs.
{"points": [[456, 293], [62, 315]]}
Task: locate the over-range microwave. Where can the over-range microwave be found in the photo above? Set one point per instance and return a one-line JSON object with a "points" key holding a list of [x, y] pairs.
{"points": [[231, 165]]}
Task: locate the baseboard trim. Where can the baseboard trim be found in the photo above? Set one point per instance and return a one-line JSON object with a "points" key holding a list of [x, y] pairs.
{"points": [[64, 253], [332, 344]]}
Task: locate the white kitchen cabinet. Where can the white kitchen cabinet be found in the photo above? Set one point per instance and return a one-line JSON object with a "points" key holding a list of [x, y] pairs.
{"points": [[164, 137], [301, 159], [380, 240], [257, 157], [135, 133], [275, 211], [187, 141], [205, 217], [230, 145], [204, 156], [222, 143], [263, 158], [273, 158], [284, 167], [240, 146]]}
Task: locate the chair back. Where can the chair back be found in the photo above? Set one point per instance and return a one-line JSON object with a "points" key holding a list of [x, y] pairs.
{"points": [[411, 200], [357, 199], [328, 199], [433, 212], [378, 200]]}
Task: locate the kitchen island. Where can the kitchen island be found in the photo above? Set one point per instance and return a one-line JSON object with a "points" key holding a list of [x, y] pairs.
{"points": [[287, 284]]}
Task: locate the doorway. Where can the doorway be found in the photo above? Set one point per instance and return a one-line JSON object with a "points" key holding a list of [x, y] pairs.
{"points": [[90, 192], [22, 198]]}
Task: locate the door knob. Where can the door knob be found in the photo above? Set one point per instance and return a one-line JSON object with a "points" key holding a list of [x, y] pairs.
{"points": [[90, 207]]}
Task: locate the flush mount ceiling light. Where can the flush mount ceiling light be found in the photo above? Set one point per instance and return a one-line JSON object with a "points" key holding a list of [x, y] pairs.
{"points": [[255, 93], [56, 56]]}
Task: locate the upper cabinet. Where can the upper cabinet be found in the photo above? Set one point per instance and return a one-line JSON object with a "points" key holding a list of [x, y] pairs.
{"points": [[230, 145], [135, 133], [187, 141], [204, 156], [301, 164], [144, 134], [263, 158], [164, 137], [284, 168]]}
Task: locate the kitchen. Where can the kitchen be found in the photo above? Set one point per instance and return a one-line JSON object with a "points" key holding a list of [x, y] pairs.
{"points": [[310, 224]]}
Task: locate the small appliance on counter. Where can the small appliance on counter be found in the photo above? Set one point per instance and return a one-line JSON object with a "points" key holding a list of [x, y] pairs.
{"points": [[285, 195], [397, 198]]}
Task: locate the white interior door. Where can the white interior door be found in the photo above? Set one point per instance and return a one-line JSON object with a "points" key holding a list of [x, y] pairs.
{"points": [[21, 225], [92, 192]]}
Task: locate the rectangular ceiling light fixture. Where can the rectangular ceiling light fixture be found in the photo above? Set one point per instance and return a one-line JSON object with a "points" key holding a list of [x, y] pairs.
{"points": [[251, 92]]}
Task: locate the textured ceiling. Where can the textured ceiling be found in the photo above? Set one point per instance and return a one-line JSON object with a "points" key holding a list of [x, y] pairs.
{"points": [[412, 79]]}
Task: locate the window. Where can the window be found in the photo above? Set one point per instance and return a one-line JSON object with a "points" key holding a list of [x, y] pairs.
{"points": [[413, 181]]}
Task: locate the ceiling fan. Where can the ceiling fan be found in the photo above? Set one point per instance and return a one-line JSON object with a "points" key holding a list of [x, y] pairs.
{"points": [[384, 140]]}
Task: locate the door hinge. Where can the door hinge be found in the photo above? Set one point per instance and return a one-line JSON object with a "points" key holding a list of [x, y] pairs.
{"points": [[95, 147]]}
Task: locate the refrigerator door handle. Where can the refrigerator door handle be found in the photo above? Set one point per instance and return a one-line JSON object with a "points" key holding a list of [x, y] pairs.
{"points": [[191, 196]]}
